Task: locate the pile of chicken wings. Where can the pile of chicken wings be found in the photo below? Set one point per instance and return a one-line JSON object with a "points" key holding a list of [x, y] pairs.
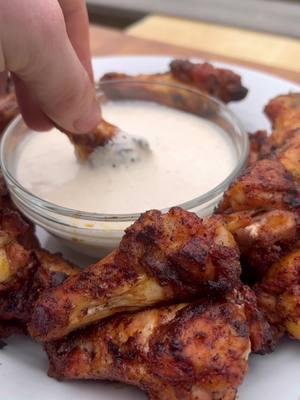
{"points": [[178, 307]]}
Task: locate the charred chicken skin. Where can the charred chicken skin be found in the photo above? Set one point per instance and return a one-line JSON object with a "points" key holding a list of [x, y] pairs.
{"points": [[162, 258], [278, 294], [273, 182], [267, 185], [185, 351], [28, 275], [284, 114], [262, 237]]}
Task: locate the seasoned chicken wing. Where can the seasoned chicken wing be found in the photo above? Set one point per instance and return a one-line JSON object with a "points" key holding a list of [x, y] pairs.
{"points": [[84, 144], [262, 237], [15, 261], [218, 82], [279, 294], [34, 274], [161, 258], [267, 185], [260, 147], [284, 111], [284, 114], [181, 352], [289, 155]]}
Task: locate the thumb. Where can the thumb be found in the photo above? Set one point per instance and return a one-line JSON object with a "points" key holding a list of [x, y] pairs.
{"points": [[45, 62]]}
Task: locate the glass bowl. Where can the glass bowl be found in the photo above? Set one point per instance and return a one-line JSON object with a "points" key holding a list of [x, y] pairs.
{"points": [[96, 234]]}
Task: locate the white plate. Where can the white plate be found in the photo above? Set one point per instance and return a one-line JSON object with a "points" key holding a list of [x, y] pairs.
{"points": [[23, 365]]}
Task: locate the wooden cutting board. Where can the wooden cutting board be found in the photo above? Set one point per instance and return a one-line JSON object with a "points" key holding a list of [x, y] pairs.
{"points": [[106, 41]]}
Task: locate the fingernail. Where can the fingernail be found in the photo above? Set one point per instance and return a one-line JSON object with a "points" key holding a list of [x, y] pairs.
{"points": [[88, 122]]}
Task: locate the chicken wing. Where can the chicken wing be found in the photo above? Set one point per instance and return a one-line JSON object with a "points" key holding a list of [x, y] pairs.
{"points": [[279, 294], [289, 155], [260, 147], [34, 273], [185, 351], [15, 261], [84, 144], [262, 237], [161, 258], [284, 111], [218, 82], [267, 185]]}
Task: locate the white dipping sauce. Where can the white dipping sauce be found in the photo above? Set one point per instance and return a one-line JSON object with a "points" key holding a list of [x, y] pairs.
{"points": [[189, 156]]}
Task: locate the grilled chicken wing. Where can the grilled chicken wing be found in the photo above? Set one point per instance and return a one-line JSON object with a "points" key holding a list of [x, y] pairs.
{"points": [[185, 351], [267, 185], [15, 260], [262, 237], [284, 114], [218, 82], [84, 144], [31, 274], [289, 155], [271, 183], [284, 111], [260, 146], [161, 258], [279, 293]]}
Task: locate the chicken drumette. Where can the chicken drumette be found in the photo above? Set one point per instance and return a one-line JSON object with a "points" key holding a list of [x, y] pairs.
{"points": [[184, 351], [218, 82], [181, 352], [278, 294], [162, 258], [24, 274]]}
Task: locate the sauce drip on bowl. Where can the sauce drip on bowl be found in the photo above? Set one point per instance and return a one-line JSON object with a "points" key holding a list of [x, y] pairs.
{"points": [[189, 156]]}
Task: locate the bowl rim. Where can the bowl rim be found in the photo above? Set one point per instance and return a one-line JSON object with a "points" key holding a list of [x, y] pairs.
{"points": [[45, 205]]}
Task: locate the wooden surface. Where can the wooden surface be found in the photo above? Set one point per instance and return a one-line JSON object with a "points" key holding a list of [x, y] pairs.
{"points": [[107, 42], [262, 48], [274, 16]]}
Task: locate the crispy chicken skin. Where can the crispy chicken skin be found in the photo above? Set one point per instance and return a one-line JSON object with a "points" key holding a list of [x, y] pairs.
{"points": [[15, 260], [279, 294], [289, 155], [267, 185], [260, 146], [218, 82], [186, 351], [263, 237], [36, 273], [284, 114], [284, 111], [161, 258], [272, 182], [14, 221]]}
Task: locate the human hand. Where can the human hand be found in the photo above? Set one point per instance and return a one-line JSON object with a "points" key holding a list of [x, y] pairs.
{"points": [[45, 46]]}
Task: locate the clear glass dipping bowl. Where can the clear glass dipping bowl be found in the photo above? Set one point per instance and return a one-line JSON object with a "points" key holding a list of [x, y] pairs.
{"points": [[96, 234]]}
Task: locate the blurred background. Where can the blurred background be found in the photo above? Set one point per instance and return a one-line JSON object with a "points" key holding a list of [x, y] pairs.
{"points": [[280, 17]]}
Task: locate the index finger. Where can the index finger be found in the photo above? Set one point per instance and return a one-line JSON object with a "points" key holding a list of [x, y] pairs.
{"points": [[77, 24]]}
